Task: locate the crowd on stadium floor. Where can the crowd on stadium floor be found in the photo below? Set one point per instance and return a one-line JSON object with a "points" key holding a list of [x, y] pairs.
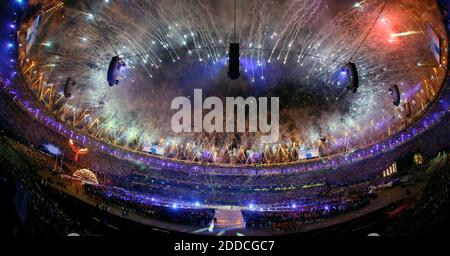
{"points": [[293, 219], [127, 202]]}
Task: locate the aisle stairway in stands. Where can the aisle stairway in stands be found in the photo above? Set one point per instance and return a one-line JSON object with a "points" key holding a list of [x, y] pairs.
{"points": [[229, 219]]}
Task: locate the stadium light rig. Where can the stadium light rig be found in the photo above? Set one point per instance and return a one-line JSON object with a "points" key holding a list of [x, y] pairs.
{"points": [[234, 54], [115, 66], [234, 64], [394, 91], [353, 87], [70, 83]]}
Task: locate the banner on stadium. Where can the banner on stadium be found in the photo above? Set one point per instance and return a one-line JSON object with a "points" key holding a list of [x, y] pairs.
{"points": [[308, 153], [435, 44], [153, 149], [31, 33]]}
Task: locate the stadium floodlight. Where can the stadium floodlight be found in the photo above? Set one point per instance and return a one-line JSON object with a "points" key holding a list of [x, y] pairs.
{"points": [[354, 77], [70, 82], [115, 66], [394, 91]]}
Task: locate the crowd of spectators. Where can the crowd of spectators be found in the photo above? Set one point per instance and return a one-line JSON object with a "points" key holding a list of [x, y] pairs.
{"points": [[35, 203], [431, 207], [177, 183], [46, 211], [212, 187], [105, 163]]}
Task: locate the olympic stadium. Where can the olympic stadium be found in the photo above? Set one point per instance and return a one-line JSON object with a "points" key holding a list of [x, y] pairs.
{"points": [[87, 90]]}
